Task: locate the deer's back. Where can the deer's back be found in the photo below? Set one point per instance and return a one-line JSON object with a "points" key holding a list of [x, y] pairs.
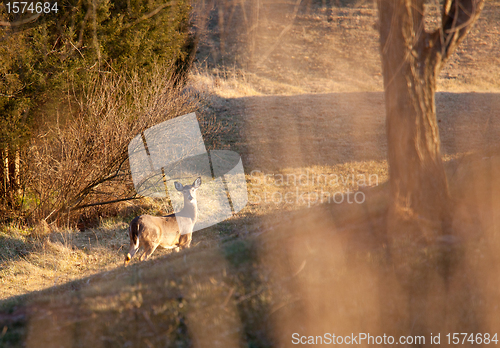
{"points": [[162, 230]]}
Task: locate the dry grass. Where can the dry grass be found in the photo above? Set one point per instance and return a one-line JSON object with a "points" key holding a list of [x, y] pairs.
{"points": [[344, 279], [38, 262], [37, 258], [255, 281]]}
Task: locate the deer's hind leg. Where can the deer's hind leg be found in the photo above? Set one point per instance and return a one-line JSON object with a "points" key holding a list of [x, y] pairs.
{"points": [[185, 240]]}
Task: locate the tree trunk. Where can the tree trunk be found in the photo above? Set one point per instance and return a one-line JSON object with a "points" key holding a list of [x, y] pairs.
{"points": [[10, 173], [420, 212], [16, 172], [5, 172], [418, 182], [411, 62]]}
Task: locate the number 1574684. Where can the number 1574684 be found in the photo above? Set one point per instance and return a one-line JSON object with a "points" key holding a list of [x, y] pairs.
{"points": [[31, 7], [466, 338]]}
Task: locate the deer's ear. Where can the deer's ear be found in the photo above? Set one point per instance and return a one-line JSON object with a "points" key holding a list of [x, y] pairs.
{"points": [[197, 183], [178, 186]]}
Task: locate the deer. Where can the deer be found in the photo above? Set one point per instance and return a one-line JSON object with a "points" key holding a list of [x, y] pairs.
{"points": [[173, 231]]}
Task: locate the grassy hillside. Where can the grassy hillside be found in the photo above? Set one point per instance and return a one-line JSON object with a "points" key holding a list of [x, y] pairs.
{"points": [[253, 281]]}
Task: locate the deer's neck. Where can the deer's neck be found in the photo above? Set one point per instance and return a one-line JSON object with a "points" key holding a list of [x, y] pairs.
{"points": [[190, 209]]}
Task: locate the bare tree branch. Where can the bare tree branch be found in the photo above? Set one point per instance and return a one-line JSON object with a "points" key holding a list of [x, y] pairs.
{"points": [[457, 19], [80, 164], [277, 41], [20, 22], [146, 16], [79, 207]]}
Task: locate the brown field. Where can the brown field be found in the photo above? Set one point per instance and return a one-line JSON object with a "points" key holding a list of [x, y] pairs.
{"points": [[296, 88]]}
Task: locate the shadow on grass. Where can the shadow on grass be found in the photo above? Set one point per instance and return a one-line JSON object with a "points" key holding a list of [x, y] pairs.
{"points": [[13, 247], [276, 132], [169, 300]]}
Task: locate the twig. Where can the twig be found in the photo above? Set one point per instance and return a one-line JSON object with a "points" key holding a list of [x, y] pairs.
{"points": [[104, 203], [20, 22], [146, 16]]}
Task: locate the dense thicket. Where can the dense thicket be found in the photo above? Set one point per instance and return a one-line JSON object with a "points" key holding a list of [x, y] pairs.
{"points": [[52, 62]]}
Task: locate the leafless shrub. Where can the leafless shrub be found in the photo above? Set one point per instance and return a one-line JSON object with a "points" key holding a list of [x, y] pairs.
{"points": [[84, 163]]}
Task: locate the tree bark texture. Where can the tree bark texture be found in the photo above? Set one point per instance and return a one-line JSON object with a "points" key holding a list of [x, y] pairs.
{"points": [[5, 172], [10, 182], [419, 221], [411, 61]]}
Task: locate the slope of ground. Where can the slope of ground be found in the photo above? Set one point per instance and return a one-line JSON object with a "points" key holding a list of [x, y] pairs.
{"points": [[309, 272]]}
